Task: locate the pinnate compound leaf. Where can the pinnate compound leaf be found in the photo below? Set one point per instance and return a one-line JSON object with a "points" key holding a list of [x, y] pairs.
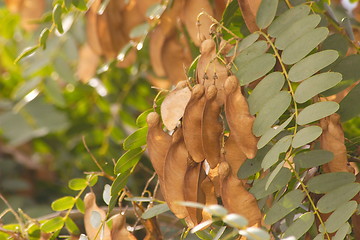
{"points": [[265, 90], [273, 155], [77, 184], [312, 64], [63, 203], [284, 206], [315, 85], [313, 158], [304, 45], [341, 233], [300, 226], [296, 30], [251, 71], [332, 200], [317, 111], [128, 160], [306, 135], [136, 139], [329, 181], [271, 112], [266, 13], [340, 216], [52, 225], [272, 132], [285, 20], [155, 210], [280, 180]]}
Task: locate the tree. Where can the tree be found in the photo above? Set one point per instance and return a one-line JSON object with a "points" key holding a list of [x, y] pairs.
{"points": [[248, 144]]}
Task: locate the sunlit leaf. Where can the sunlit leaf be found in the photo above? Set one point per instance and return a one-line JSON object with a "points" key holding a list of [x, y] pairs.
{"points": [[63, 203], [80, 205], [155, 210], [313, 158], [128, 160], [140, 30], [57, 12], [340, 216], [329, 181], [26, 52], [316, 111], [254, 233], [155, 11], [300, 226], [52, 225], [80, 4], [216, 210], [136, 139], [141, 119], [71, 226], [43, 37], [119, 183], [77, 184], [235, 220], [266, 13]]}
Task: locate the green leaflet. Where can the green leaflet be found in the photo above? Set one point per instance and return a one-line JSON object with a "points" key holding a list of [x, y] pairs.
{"points": [[280, 180], [313, 158], [247, 42], [128, 160], [327, 182], [272, 132], [266, 13], [306, 135], [341, 233], [285, 20], [252, 166], [136, 139], [336, 42], [119, 183], [347, 109], [300, 226], [52, 225], [155, 210], [250, 71], [253, 51], [316, 111], [63, 203], [273, 174], [340, 216], [312, 64], [315, 85], [296, 30], [271, 112], [332, 200], [304, 45], [273, 155], [284, 206], [265, 90]]}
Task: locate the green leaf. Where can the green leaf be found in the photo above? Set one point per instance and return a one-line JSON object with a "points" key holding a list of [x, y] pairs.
{"points": [[251, 71], [303, 45], [63, 203], [26, 87], [128, 160], [77, 184], [265, 90], [272, 132], [92, 180], [250, 53], [57, 12], [140, 30], [273, 175], [336, 42], [252, 166], [80, 4], [67, 4], [315, 85], [216, 210], [340, 216], [141, 119], [248, 41], [346, 23], [296, 30], [71, 226], [313, 158], [80, 205], [341, 233], [235, 220], [284, 206], [273, 155], [332, 200], [136, 139], [155, 11], [43, 37], [312, 64], [300, 226], [306, 135], [155, 210], [26, 52], [139, 199], [285, 20], [347, 110], [53, 91], [254, 233], [266, 13], [280, 180], [316, 111], [271, 112], [52, 225], [349, 67], [124, 51], [119, 183], [327, 182]]}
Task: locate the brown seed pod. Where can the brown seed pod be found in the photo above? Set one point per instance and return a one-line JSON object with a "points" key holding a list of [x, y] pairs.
{"points": [[118, 228], [239, 118], [249, 9], [158, 144], [90, 207], [191, 123], [233, 155], [176, 164], [212, 128], [88, 62], [207, 187], [213, 175], [236, 198]]}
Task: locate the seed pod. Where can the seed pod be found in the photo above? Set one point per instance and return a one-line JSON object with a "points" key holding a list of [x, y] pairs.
{"points": [[236, 198], [118, 228], [158, 144], [212, 128], [233, 155], [174, 173], [90, 208], [192, 123], [249, 9], [214, 177], [239, 118], [207, 187]]}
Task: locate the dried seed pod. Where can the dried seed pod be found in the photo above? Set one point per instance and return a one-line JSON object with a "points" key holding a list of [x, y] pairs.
{"points": [[191, 123], [207, 187], [158, 144], [90, 207], [213, 175], [249, 9], [236, 198], [173, 107], [212, 128], [88, 62], [118, 228], [239, 118], [174, 172], [233, 155]]}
